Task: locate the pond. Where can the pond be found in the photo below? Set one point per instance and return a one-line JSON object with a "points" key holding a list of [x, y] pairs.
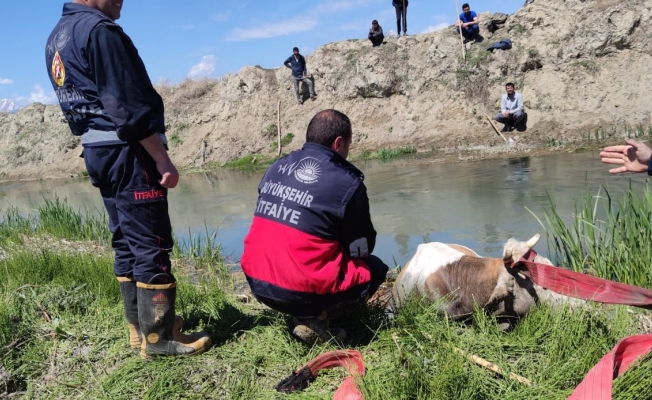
{"points": [[479, 204]]}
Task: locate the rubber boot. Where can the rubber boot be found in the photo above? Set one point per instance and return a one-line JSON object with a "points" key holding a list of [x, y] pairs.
{"points": [[314, 331], [130, 302], [156, 314]]}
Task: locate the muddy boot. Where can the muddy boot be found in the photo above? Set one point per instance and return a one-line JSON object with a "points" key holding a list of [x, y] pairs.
{"points": [[130, 302], [314, 331], [159, 326]]}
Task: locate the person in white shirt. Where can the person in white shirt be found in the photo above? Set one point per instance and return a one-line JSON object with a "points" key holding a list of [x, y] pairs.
{"points": [[511, 108]]}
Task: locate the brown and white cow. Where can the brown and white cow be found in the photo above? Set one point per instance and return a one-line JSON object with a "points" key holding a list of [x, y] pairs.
{"points": [[462, 279]]}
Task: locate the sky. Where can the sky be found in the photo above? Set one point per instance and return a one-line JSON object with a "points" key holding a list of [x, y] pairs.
{"points": [[195, 39]]}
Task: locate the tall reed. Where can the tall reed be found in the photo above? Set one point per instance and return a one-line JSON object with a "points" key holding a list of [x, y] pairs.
{"points": [[605, 237]]}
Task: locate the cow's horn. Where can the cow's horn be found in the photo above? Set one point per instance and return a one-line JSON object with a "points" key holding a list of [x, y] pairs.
{"points": [[533, 241]]}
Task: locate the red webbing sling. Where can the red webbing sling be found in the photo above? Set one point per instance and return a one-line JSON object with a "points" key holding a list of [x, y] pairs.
{"points": [[586, 287], [598, 383], [349, 359]]}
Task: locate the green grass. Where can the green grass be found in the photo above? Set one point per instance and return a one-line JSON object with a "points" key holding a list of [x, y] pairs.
{"points": [[386, 154], [63, 334], [589, 66], [606, 237], [252, 161], [285, 140]]}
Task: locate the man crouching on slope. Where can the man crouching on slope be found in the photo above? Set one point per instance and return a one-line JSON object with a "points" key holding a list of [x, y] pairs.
{"points": [[307, 252]]}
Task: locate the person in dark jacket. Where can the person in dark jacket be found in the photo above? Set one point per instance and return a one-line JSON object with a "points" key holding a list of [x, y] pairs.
{"points": [[376, 34], [308, 251], [400, 6], [297, 63], [109, 101]]}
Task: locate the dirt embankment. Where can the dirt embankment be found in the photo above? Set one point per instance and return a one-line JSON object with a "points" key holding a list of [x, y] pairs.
{"points": [[580, 65]]}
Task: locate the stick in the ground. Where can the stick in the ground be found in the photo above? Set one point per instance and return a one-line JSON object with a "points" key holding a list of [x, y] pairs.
{"points": [[491, 121], [484, 363], [492, 367], [457, 8]]}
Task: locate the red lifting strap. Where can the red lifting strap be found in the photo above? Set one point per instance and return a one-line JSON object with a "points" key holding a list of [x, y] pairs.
{"points": [[349, 359], [586, 287], [597, 384]]}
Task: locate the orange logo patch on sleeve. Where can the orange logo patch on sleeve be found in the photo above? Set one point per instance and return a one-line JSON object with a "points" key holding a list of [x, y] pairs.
{"points": [[58, 70]]}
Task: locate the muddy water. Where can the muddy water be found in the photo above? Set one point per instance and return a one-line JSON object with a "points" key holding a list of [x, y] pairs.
{"points": [[479, 204]]}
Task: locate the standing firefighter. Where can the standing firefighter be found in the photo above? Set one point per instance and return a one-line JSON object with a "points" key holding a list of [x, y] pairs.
{"points": [[108, 99]]}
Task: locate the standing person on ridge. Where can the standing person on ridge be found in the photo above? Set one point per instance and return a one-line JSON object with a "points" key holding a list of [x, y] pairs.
{"points": [[469, 24], [376, 34], [308, 250], [109, 101], [400, 6], [297, 63]]}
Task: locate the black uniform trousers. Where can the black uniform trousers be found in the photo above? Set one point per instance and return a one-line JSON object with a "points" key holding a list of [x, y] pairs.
{"points": [[137, 207]]}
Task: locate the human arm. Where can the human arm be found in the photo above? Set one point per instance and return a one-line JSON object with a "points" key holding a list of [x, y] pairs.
{"points": [[123, 86], [169, 174], [128, 97], [503, 105], [288, 62], [474, 21], [359, 235], [632, 157]]}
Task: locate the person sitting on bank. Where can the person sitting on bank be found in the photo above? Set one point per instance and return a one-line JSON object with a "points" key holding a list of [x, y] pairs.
{"points": [[376, 34], [308, 250], [511, 108], [469, 23], [297, 63]]}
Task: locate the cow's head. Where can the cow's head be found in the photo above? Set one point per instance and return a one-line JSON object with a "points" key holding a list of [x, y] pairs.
{"points": [[514, 250]]}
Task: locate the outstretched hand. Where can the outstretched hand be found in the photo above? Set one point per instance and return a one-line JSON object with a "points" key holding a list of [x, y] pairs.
{"points": [[632, 157]]}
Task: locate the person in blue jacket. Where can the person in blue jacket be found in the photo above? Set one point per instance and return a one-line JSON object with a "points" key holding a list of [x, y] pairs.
{"points": [[297, 63], [109, 101], [469, 23], [308, 250]]}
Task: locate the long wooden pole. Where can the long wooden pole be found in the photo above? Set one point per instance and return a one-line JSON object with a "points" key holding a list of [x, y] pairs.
{"points": [[491, 121], [457, 8], [278, 127]]}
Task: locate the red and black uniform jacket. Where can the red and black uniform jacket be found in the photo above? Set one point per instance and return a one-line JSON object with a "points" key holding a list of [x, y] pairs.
{"points": [[311, 230]]}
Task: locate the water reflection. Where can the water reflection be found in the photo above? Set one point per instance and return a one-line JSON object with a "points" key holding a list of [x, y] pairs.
{"points": [[477, 204]]}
